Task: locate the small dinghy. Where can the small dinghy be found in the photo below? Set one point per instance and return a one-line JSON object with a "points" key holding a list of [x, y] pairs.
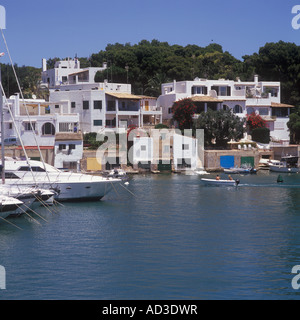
{"points": [[214, 182]]}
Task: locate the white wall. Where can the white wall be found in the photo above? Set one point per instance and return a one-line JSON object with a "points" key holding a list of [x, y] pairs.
{"points": [[65, 155], [142, 149], [190, 152]]}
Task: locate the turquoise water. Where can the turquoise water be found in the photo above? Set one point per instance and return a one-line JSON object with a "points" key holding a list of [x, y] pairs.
{"points": [[175, 239]]}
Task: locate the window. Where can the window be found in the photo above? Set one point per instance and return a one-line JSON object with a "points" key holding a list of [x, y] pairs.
{"points": [[263, 111], [27, 126], [170, 110], [73, 105], [48, 129], [72, 146], [64, 78], [86, 105], [225, 107], [250, 110], [34, 169], [237, 109], [10, 126], [111, 105], [280, 112], [67, 126], [199, 90], [223, 91], [62, 147], [57, 106], [185, 147], [97, 123], [98, 104]]}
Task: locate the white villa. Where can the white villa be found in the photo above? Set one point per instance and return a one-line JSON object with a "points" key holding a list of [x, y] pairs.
{"points": [[99, 105], [242, 98], [36, 117], [48, 130]]}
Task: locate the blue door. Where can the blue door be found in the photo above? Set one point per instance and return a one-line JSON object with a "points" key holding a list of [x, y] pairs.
{"points": [[227, 162]]}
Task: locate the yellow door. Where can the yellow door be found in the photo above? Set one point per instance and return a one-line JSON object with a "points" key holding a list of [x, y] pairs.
{"points": [[93, 165]]}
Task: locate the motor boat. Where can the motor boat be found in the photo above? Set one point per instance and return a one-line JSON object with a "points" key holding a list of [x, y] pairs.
{"points": [[31, 197], [287, 164], [68, 186], [215, 182], [201, 171], [117, 173], [241, 170], [8, 205]]}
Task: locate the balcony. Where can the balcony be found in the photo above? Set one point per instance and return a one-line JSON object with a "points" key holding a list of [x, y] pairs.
{"points": [[151, 110]]}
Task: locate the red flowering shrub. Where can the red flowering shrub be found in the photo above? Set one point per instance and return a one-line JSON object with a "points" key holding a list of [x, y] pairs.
{"points": [[183, 111], [137, 132], [255, 121]]}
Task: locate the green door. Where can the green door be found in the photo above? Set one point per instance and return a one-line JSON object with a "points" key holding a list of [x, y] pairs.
{"points": [[164, 166], [247, 161]]}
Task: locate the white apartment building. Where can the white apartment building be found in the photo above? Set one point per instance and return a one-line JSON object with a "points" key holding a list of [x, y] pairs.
{"points": [[35, 114], [99, 105], [63, 69], [243, 98]]}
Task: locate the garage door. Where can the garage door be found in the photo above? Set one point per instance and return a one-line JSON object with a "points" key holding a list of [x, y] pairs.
{"points": [[164, 166], [247, 161], [93, 165], [227, 161]]}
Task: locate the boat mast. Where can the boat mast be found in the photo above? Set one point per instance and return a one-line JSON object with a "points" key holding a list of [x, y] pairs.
{"points": [[2, 134], [2, 26]]}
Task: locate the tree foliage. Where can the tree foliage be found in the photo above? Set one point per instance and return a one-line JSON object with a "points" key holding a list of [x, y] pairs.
{"points": [[152, 63], [29, 78], [220, 127], [279, 62], [294, 127], [183, 111], [261, 134]]}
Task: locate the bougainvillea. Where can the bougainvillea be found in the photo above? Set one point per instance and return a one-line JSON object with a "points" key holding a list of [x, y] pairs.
{"points": [[183, 111], [255, 121]]}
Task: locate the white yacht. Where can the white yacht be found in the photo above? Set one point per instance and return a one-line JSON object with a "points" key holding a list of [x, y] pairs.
{"points": [[287, 164], [31, 197], [67, 185], [8, 205]]}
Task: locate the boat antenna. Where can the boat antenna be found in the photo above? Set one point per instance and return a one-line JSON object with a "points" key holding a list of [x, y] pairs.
{"points": [[22, 96]]}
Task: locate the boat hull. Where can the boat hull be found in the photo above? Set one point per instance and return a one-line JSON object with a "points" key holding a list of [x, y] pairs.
{"points": [[239, 171], [69, 191], [282, 169], [213, 182]]}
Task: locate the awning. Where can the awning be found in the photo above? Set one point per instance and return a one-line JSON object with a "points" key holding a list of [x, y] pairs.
{"points": [[281, 105], [205, 99], [122, 95]]}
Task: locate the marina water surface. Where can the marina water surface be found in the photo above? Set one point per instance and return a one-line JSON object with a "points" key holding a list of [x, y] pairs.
{"points": [[170, 237]]}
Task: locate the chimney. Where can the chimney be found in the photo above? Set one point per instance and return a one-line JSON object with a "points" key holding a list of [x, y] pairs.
{"points": [[256, 78], [44, 65], [174, 85]]}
